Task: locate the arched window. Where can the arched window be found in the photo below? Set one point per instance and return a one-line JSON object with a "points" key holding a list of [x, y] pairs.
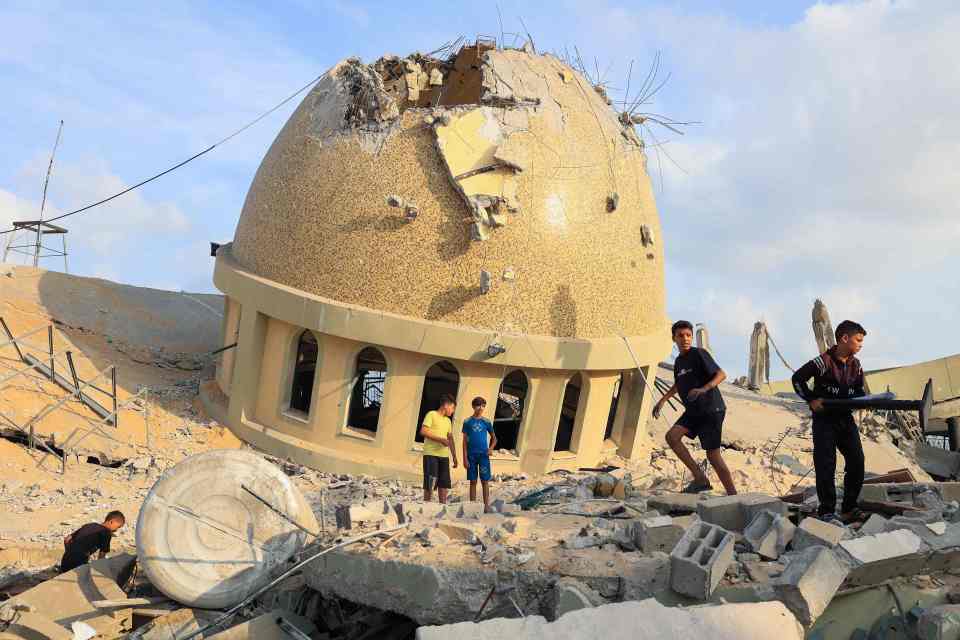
{"points": [[614, 403], [568, 414], [441, 379], [304, 368], [508, 416], [366, 397]]}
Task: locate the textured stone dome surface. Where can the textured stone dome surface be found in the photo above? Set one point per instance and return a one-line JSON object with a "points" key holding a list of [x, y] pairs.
{"points": [[513, 147]]}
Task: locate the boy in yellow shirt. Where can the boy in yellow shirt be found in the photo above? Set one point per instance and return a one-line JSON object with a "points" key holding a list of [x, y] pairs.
{"points": [[438, 447]]}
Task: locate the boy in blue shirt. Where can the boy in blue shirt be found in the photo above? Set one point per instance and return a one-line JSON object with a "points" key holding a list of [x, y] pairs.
{"points": [[477, 450]]}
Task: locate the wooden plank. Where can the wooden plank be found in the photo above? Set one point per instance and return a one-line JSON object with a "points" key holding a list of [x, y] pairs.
{"points": [[896, 476]]}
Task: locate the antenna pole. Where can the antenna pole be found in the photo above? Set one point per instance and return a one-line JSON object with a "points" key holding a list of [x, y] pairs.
{"points": [[43, 201]]}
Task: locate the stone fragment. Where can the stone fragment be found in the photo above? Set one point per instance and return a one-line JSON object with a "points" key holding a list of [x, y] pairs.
{"points": [[459, 532], [814, 532], [938, 462], [939, 528], [674, 503], [876, 523], [436, 77], [571, 595], [433, 537], [700, 559], [769, 534], [604, 485], [810, 582], [656, 534], [500, 506]]}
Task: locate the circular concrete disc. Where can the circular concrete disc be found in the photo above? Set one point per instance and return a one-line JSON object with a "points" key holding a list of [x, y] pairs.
{"points": [[206, 542]]}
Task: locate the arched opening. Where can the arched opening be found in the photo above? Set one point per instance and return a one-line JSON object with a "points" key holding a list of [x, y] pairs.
{"points": [[508, 416], [304, 368], [568, 414], [441, 379], [614, 403], [366, 397]]}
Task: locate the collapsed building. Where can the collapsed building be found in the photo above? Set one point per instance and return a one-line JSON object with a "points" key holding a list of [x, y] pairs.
{"points": [[482, 225]]}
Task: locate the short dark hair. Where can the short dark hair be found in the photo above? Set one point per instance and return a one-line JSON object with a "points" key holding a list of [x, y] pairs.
{"points": [[849, 328], [447, 399], [478, 402], [115, 515], [680, 324]]}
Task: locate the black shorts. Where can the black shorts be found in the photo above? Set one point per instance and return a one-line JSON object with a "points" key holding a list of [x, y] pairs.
{"points": [[707, 427], [436, 471]]}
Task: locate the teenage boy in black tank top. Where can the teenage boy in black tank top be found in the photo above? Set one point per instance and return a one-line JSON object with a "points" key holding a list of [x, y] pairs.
{"points": [[696, 377]]}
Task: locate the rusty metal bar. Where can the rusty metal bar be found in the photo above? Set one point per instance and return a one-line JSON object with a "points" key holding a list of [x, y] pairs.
{"points": [[49, 408], [53, 371], [13, 340], [113, 383]]}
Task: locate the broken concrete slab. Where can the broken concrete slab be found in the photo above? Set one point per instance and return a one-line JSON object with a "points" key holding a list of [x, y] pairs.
{"points": [[769, 534], [809, 582], [176, 624], [75, 591], [734, 513], [938, 462], [700, 559], [674, 504], [813, 532], [646, 620], [882, 556]]}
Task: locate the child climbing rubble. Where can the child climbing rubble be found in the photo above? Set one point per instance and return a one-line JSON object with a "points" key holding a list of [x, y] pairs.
{"points": [[80, 545], [836, 374], [696, 377], [438, 447], [477, 450]]}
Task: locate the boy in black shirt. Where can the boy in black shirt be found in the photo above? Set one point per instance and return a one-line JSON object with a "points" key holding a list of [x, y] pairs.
{"points": [[82, 543], [696, 378], [836, 374]]}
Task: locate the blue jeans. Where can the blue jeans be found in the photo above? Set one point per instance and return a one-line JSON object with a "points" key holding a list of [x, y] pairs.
{"points": [[478, 464]]}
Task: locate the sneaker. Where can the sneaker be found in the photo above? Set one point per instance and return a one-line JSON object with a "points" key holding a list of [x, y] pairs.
{"points": [[831, 518], [697, 487]]}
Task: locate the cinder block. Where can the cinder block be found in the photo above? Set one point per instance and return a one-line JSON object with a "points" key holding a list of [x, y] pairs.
{"points": [[769, 534], [657, 534], [810, 582], [734, 513], [700, 559], [813, 532], [888, 492]]}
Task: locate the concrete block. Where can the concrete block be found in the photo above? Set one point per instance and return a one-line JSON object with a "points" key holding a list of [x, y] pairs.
{"points": [[813, 532], [809, 583], [941, 622], [768, 534], [888, 492], [734, 513], [700, 559], [656, 534], [882, 556], [645, 620]]}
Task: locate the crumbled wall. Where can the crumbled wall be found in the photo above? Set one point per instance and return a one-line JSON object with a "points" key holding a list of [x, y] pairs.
{"points": [[513, 165]]}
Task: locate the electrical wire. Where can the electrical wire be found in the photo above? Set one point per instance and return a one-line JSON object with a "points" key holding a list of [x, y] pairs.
{"points": [[188, 160]]}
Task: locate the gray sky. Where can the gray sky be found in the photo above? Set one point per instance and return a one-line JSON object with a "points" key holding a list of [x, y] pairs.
{"points": [[823, 165]]}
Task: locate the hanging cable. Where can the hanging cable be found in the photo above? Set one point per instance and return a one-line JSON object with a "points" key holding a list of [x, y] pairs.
{"points": [[190, 159]]}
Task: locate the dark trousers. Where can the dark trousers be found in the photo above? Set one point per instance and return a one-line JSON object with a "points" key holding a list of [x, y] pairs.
{"points": [[832, 433]]}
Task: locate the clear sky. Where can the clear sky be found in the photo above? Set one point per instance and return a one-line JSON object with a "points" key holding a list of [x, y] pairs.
{"points": [[825, 164]]}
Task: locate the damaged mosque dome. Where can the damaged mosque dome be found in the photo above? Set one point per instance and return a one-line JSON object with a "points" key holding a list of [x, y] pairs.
{"points": [[480, 225]]}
